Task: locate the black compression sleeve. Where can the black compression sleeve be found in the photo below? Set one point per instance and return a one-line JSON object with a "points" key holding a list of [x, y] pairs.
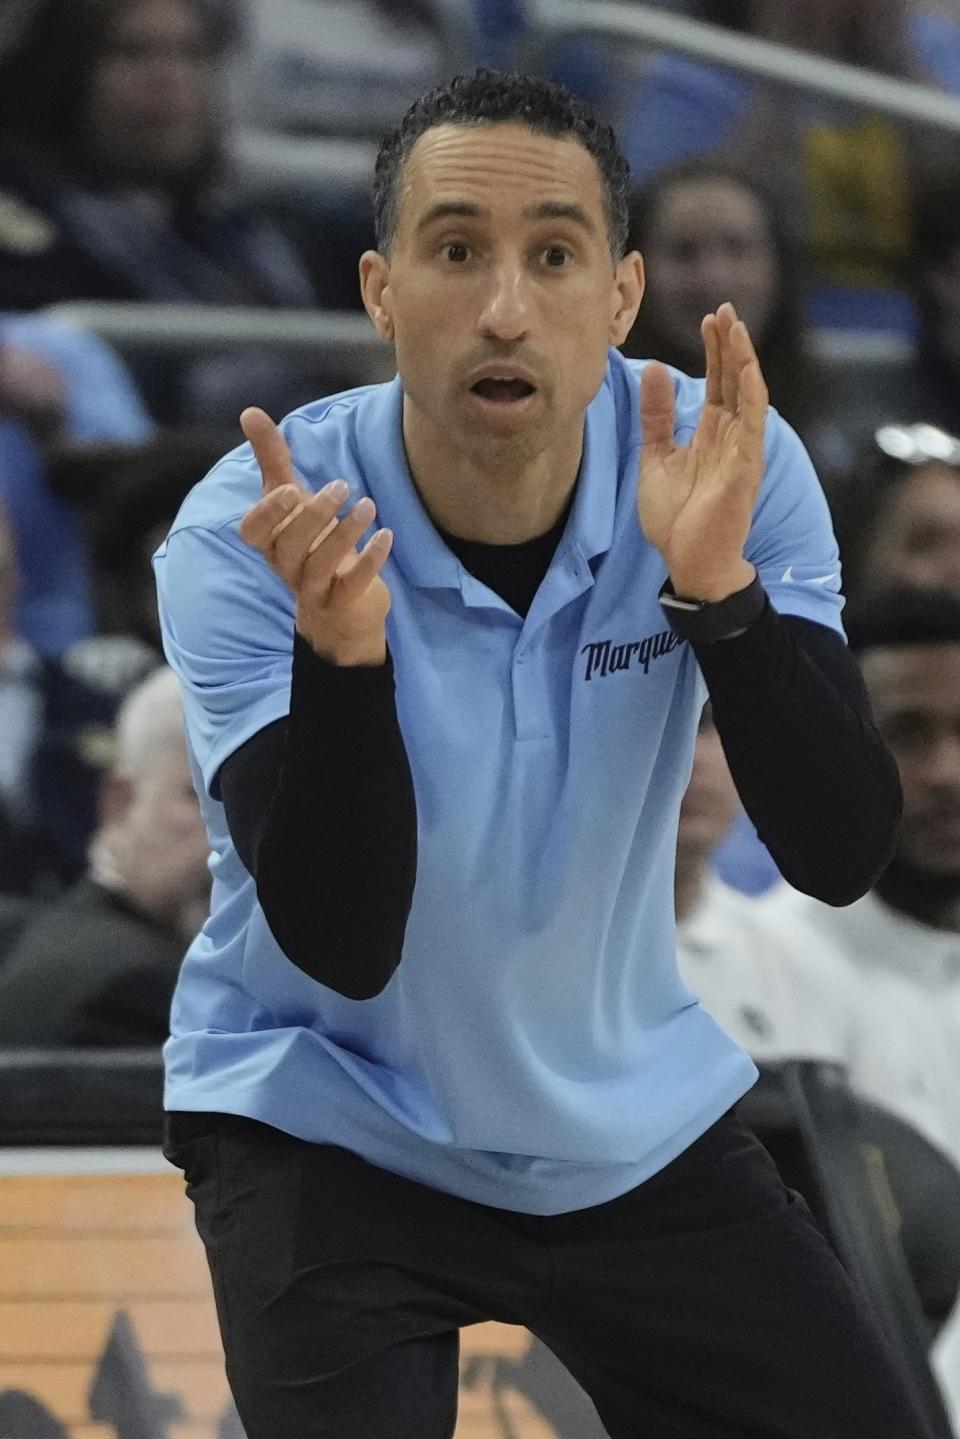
{"points": [[813, 773], [321, 809]]}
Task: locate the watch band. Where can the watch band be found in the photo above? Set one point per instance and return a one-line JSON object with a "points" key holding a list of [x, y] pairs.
{"points": [[704, 623]]}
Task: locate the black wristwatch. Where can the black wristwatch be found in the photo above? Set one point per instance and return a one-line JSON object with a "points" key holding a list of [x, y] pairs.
{"points": [[703, 623]]}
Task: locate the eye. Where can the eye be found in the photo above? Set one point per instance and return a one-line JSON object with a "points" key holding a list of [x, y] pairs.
{"points": [[455, 252], [556, 257]]}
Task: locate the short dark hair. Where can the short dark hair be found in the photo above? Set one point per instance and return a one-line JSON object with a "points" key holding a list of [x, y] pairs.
{"points": [[906, 615], [492, 97]]}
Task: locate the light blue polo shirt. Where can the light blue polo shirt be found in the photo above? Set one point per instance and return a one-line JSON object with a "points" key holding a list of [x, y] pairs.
{"points": [[535, 1049]]}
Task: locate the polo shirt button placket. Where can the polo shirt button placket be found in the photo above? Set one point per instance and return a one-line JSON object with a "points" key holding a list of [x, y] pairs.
{"points": [[528, 700]]}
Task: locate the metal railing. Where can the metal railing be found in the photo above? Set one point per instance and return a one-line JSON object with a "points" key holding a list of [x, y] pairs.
{"points": [[271, 164], [192, 329], [188, 329], [762, 58]]}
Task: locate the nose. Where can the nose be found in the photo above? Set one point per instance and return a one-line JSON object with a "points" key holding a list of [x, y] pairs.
{"points": [[942, 769], [505, 313], [713, 275]]}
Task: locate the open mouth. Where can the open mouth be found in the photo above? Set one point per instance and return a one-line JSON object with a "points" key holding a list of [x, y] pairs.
{"points": [[502, 392]]}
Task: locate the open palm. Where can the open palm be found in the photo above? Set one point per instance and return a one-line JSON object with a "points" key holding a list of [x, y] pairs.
{"points": [[696, 501]]}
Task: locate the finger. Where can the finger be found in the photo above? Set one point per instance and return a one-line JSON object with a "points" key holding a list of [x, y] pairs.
{"points": [[729, 369], [748, 365], [711, 346], [293, 537], [373, 556], [326, 554], [270, 448], [751, 442], [259, 524], [657, 408], [742, 346]]}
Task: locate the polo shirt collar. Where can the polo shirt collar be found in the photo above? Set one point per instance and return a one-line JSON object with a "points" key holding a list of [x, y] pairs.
{"points": [[421, 554], [418, 550]]}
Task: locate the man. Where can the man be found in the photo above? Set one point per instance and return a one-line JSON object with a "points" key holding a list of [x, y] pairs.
{"points": [[902, 939], [98, 966], [431, 1059], [900, 943]]}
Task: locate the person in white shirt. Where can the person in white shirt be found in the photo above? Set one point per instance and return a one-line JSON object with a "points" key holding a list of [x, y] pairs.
{"points": [[766, 990], [902, 939], [899, 945]]}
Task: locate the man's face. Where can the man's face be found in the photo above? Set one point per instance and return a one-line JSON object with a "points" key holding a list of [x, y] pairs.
{"points": [[710, 241], [152, 103], [919, 536], [915, 693], [168, 846], [501, 294]]}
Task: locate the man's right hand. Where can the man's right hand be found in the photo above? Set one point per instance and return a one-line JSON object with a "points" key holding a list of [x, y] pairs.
{"points": [[342, 601]]}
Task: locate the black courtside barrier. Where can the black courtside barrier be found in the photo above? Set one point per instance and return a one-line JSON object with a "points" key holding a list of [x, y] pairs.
{"points": [[85, 1191]]}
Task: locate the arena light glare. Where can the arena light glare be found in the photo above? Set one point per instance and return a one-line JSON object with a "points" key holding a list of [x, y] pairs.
{"points": [[918, 444]]}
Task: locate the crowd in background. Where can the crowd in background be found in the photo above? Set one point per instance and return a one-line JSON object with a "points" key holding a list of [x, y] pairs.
{"points": [[834, 230]]}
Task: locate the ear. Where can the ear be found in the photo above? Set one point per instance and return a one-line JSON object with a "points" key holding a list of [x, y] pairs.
{"points": [[114, 798], [375, 290], [625, 300]]}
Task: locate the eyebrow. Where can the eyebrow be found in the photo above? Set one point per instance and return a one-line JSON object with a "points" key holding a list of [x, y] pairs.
{"points": [[549, 210]]}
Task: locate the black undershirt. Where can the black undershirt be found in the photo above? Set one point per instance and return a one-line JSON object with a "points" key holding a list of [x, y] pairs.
{"points": [[321, 805]]}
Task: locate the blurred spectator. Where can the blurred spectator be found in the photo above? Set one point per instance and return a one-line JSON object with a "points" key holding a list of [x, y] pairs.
{"points": [[21, 718], [57, 385], [55, 602], [897, 513], [130, 495], [902, 941], [59, 380], [906, 932], [707, 234], [787, 989], [91, 565], [98, 966], [31, 388], [763, 990], [52, 714], [843, 173], [112, 165]]}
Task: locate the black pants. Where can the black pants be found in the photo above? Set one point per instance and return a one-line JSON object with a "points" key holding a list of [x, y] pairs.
{"points": [[704, 1303]]}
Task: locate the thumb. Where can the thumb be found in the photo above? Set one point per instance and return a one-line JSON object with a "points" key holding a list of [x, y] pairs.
{"points": [[270, 448], [657, 408]]}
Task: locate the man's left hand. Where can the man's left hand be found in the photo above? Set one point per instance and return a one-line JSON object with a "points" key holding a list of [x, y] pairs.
{"points": [[696, 501]]}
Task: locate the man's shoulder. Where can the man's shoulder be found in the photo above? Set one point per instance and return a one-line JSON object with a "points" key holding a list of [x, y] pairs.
{"points": [[689, 390], [323, 440]]}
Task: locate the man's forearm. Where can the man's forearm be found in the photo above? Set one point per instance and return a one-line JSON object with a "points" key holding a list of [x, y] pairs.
{"points": [[811, 769], [322, 811]]}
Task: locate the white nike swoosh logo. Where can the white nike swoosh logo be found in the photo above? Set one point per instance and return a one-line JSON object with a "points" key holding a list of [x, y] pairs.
{"points": [[787, 578]]}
